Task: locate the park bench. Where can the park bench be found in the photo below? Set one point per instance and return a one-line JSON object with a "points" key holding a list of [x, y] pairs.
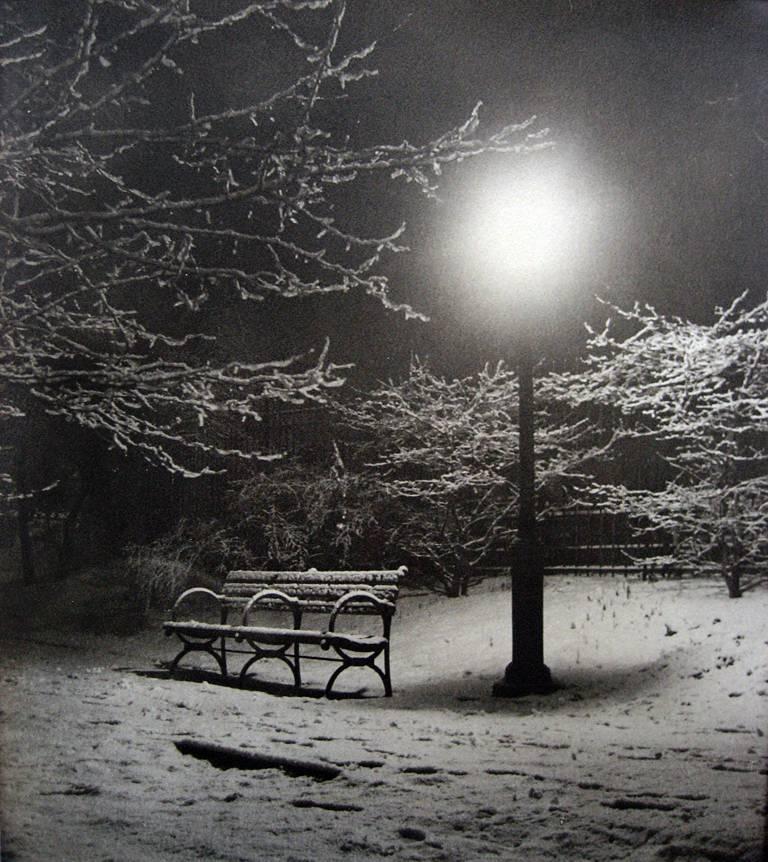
{"points": [[336, 595]]}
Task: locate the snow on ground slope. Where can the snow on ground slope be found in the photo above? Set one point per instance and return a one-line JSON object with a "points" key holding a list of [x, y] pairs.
{"points": [[652, 749]]}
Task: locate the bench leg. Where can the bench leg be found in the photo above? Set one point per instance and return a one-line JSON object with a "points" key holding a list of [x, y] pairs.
{"points": [[387, 676], [223, 656], [206, 648], [296, 666], [348, 661], [260, 653]]}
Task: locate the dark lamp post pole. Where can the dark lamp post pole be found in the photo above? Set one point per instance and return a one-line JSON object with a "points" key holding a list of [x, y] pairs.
{"points": [[525, 236], [527, 673]]}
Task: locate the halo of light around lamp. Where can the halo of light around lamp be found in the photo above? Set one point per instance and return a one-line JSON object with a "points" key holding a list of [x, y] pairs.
{"points": [[523, 235]]}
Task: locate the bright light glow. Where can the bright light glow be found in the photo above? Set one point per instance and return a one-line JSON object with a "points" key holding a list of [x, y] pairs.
{"points": [[523, 233]]}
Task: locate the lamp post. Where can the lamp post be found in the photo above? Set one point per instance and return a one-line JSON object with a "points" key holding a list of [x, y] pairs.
{"points": [[526, 673], [521, 234]]}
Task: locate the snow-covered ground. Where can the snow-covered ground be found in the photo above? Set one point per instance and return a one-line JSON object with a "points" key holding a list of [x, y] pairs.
{"points": [[653, 748]]}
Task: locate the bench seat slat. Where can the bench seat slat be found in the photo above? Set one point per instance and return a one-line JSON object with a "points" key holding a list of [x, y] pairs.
{"points": [[311, 607], [271, 635], [308, 586], [310, 576], [307, 591]]}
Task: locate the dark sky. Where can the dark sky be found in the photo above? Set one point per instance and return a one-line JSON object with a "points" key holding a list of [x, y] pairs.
{"points": [[658, 111]]}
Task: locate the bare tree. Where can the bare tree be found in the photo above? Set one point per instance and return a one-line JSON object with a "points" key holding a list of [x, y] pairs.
{"points": [[298, 514], [445, 451], [428, 475], [295, 513], [696, 395], [137, 189], [128, 199]]}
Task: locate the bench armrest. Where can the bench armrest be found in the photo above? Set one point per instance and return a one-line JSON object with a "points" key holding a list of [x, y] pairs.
{"points": [[292, 604], [193, 591], [385, 609]]}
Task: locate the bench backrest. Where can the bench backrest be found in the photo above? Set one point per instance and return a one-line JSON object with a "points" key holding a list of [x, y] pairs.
{"points": [[316, 590]]}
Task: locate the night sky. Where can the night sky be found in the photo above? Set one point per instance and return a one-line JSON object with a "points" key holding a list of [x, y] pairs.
{"points": [[658, 111]]}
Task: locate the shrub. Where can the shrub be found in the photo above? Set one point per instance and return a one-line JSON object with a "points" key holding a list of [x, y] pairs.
{"points": [[194, 553]]}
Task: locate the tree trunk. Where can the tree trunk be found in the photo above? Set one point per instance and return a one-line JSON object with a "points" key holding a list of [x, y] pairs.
{"points": [[23, 512], [453, 585], [457, 577], [66, 548], [465, 571], [733, 582]]}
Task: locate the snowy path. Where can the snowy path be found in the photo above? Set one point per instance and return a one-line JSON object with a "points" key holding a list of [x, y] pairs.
{"points": [[658, 754]]}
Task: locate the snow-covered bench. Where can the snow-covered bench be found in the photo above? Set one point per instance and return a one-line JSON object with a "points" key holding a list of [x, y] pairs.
{"points": [[300, 593]]}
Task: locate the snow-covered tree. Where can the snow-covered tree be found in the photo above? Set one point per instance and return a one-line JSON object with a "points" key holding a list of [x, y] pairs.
{"points": [[428, 477], [445, 452], [294, 514], [159, 158], [297, 515], [695, 395], [134, 189]]}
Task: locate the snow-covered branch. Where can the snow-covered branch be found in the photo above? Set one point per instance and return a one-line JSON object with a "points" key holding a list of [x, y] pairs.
{"points": [[697, 396], [131, 197], [448, 449]]}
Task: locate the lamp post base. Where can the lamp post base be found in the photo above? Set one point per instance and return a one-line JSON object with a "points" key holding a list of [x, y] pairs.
{"points": [[521, 680]]}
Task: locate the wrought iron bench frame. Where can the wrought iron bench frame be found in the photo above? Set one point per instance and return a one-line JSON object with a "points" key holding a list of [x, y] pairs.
{"points": [[297, 593]]}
